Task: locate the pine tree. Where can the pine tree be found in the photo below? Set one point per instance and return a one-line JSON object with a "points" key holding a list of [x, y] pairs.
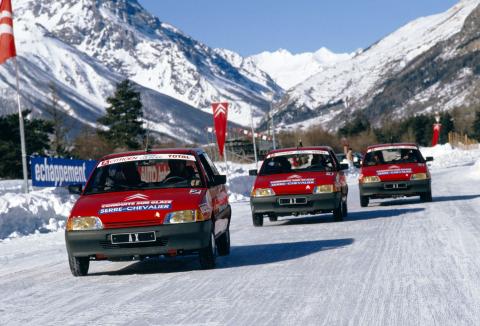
{"points": [[447, 127], [37, 134], [476, 126], [123, 118], [58, 118]]}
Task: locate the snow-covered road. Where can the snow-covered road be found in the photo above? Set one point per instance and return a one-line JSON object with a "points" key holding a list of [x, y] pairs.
{"points": [[397, 262]]}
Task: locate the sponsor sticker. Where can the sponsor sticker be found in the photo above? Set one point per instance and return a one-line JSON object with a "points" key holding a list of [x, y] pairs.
{"points": [[146, 157], [390, 147], [298, 152], [138, 206], [396, 171], [292, 182], [195, 191]]}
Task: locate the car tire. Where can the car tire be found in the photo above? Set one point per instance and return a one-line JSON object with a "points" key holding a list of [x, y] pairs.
{"points": [[223, 243], [345, 208], [207, 256], [426, 197], [364, 200], [257, 219], [79, 265], [338, 212], [273, 218]]}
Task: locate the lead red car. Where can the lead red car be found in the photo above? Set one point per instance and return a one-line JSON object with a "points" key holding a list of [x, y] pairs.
{"points": [[294, 181], [145, 204], [394, 170]]}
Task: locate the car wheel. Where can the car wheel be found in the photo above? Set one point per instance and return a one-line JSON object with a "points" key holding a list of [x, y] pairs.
{"points": [[273, 218], [208, 255], [257, 219], [338, 212], [426, 196], [345, 208], [78, 265], [364, 200], [223, 243]]}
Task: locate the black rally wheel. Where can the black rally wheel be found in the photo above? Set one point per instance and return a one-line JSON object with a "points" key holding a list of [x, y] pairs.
{"points": [[364, 200], [79, 265], [257, 219], [208, 255], [223, 243]]}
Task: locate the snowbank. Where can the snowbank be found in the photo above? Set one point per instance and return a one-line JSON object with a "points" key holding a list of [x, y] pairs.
{"points": [[446, 157], [39, 211]]}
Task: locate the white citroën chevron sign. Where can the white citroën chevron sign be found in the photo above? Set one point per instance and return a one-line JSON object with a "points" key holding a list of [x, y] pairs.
{"points": [[220, 109]]}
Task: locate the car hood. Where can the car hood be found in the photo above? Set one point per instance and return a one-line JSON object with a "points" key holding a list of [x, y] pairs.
{"points": [[137, 208], [295, 183], [394, 172]]}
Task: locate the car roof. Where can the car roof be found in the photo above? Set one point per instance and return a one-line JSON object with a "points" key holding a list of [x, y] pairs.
{"points": [[191, 151], [391, 145], [310, 148]]}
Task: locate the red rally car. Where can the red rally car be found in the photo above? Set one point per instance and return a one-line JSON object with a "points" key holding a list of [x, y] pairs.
{"points": [[294, 181], [145, 204], [394, 170]]}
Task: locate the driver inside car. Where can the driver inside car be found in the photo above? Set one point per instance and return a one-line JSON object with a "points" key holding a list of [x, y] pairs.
{"points": [[180, 170]]}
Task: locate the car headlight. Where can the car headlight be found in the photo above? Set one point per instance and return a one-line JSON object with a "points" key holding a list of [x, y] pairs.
{"points": [[186, 216], [84, 223], [324, 188], [419, 176], [262, 192], [370, 179]]}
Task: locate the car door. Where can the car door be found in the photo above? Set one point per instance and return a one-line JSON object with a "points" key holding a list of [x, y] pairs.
{"points": [[218, 195], [340, 174]]}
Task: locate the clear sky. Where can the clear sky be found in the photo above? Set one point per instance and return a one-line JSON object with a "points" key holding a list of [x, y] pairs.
{"points": [[252, 26]]}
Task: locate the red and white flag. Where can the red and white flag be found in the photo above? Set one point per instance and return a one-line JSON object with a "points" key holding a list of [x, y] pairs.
{"points": [[7, 43], [436, 133], [220, 114]]}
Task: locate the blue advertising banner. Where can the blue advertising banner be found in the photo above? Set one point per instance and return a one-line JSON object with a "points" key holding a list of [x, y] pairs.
{"points": [[57, 172]]}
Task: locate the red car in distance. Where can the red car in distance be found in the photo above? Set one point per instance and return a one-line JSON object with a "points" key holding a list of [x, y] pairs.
{"points": [[394, 170], [146, 204], [296, 181]]}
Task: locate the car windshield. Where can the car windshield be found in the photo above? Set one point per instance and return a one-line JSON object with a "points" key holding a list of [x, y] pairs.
{"points": [[303, 162], [132, 174], [393, 156]]}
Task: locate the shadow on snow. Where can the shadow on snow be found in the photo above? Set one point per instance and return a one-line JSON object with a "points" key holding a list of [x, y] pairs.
{"points": [[240, 256]]}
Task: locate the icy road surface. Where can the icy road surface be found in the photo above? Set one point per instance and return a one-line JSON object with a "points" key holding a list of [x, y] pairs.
{"points": [[399, 262]]}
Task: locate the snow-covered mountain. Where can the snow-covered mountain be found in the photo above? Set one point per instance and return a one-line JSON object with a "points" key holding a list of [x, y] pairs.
{"points": [[387, 78], [289, 69], [84, 47]]}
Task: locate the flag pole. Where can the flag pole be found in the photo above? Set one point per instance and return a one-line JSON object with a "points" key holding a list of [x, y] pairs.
{"points": [[22, 132]]}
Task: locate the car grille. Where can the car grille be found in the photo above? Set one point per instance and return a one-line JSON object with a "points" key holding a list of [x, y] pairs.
{"points": [[395, 186], [292, 201], [130, 224], [106, 244]]}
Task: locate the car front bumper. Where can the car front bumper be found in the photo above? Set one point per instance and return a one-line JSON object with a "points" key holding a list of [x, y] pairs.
{"points": [[169, 238], [395, 188], [314, 203]]}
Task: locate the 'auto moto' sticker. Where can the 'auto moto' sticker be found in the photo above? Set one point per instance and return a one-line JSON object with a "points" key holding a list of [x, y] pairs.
{"points": [[396, 171], [124, 207], [292, 182]]}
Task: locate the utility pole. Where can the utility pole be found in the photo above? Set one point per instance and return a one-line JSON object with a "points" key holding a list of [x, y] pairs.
{"points": [[253, 138], [273, 125]]}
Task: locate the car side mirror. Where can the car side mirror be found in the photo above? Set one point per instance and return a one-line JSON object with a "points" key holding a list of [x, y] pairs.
{"points": [[252, 172], [75, 189], [219, 180], [344, 166], [429, 158]]}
